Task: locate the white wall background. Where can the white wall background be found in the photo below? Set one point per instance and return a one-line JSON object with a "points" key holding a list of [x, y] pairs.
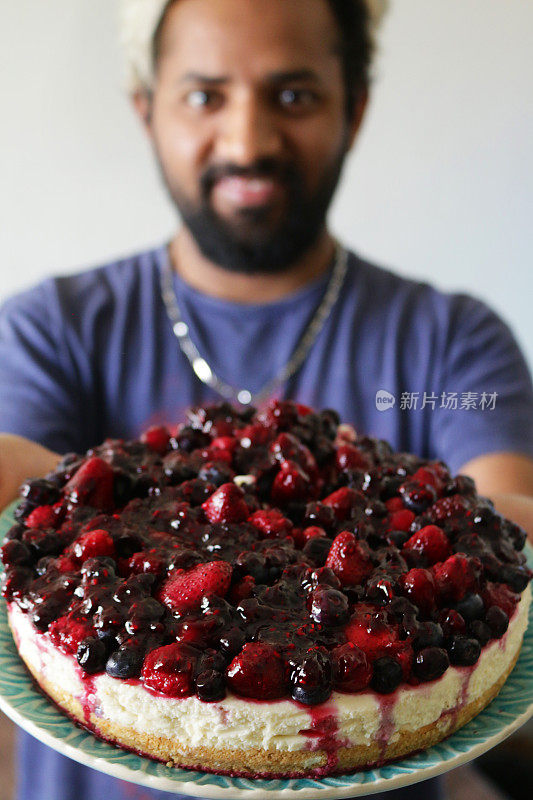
{"points": [[440, 185]]}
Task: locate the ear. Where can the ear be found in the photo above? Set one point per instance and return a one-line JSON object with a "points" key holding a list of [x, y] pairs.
{"points": [[142, 103], [358, 116]]}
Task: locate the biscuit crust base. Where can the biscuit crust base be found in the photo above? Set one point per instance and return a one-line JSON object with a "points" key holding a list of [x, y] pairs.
{"points": [[257, 763]]}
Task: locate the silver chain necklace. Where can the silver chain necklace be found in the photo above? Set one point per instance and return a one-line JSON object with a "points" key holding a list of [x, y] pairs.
{"points": [[206, 374]]}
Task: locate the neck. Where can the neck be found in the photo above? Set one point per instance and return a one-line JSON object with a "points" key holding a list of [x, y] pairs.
{"points": [[213, 280]]}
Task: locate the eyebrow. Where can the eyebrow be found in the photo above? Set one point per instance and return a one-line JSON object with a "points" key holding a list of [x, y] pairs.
{"points": [[273, 78]]}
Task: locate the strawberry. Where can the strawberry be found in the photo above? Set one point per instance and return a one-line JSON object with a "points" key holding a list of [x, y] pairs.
{"points": [[227, 443], [400, 520], [456, 576], [145, 561], [272, 523], [42, 517], [65, 563], [93, 543], [419, 586], [394, 504], [253, 436], [68, 631], [170, 669], [257, 671], [290, 484], [92, 485], [156, 438], [431, 542], [349, 559], [350, 457], [183, 591], [432, 475], [344, 501], [226, 504], [369, 632], [287, 447], [446, 507], [312, 532]]}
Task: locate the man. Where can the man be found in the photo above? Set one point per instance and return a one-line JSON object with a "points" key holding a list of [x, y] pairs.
{"points": [[251, 108]]}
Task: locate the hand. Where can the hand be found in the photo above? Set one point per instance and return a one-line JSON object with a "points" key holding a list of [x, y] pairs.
{"points": [[20, 459]]}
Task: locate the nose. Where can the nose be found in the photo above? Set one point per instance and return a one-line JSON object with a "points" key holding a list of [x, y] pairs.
{"points": [[248, 132]]}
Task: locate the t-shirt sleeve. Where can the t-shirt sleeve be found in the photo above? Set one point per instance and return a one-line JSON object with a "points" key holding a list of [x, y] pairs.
{"points": [[486, 394], [40, 396]]}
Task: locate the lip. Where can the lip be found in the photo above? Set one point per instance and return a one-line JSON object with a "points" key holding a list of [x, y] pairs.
{"points": [[238, 191]]}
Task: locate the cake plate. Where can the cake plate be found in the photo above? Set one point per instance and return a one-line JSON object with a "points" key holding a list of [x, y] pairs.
{"points": [[22, 701]]}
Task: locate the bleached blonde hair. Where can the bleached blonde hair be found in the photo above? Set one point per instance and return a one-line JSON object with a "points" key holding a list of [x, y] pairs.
{"points": [[139, 20]]}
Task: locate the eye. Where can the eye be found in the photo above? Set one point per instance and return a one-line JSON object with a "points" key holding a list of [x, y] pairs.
{"points": [[297, 98], [202, 98]]}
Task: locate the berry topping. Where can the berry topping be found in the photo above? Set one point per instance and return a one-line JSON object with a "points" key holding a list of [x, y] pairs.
{"points": [[306, 556]]}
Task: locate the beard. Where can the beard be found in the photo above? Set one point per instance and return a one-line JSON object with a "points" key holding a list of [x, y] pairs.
{"points": [[254, 244]]}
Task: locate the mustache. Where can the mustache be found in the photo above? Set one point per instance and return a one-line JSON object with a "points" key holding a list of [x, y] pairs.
{"points": [[263, 168]]}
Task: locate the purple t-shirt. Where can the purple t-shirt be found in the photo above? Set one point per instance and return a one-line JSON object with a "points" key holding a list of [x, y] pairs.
{"points": [[93, 355]]}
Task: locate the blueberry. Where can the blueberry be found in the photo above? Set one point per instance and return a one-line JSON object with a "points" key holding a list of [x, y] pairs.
{"points": [[232, 641], [126, 662], [428, 634], [15, 582], [497, 620], [216, 473], [40, 492], [91, 655], [316, 550], [319, 515], [312, 678], [431, 663], [101, 568], [516, 577], [15, 554], [23, 509], [189, 439], [177, 469], [14, 533], [398, 538], [464, 652], [480, 630], [108, 638], [210, 686], [387, 675], [329, 607], [399, 606], [416, 497], [46, 612], [329, 421], [147, 609], [470, 607]]}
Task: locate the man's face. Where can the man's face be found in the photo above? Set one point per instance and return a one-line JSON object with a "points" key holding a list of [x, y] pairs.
{"points": [[249, 128]]}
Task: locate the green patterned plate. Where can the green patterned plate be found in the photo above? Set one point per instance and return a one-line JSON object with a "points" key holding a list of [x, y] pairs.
{"points": [[26, 706]]}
